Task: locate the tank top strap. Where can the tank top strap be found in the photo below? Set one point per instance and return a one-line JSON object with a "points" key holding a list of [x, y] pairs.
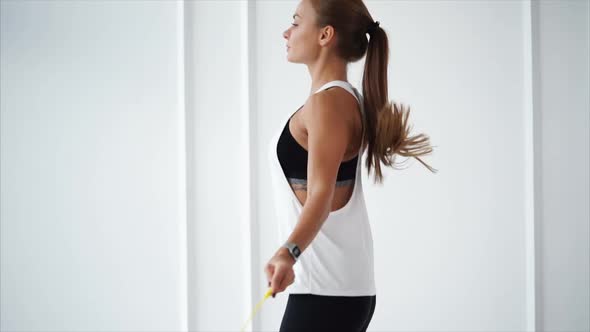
{"points": [[343, 84]]}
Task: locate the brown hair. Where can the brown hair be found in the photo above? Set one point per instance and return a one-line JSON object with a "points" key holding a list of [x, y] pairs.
{"points": [[386, 125]]}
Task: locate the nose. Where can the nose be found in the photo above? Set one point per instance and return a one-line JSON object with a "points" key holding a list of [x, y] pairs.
{"points": [[286, 34]]}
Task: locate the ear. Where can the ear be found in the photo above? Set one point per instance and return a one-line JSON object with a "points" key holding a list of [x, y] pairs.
{"points": [[327, 35]]}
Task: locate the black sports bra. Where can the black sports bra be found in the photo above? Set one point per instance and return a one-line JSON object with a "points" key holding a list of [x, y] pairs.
{"points": [[293, 159]]}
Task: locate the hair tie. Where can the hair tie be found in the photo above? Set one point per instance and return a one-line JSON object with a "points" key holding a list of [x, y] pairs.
{"points": [[372, 27]]}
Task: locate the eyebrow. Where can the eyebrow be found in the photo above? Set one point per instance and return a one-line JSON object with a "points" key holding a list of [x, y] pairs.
{"points": [[296, 15]]}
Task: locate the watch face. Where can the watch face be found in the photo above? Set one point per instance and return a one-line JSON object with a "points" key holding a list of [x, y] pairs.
{"points": [[296, 251]]}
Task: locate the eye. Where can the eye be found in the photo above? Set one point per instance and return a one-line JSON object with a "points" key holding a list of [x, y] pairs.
{"points": [[293, 24]]}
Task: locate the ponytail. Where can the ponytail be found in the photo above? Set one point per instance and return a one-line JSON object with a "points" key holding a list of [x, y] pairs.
{"points": [[387, 129]]}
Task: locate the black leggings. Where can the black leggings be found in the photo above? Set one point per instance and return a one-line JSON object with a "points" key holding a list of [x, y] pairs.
{"points": [[310, 313]]}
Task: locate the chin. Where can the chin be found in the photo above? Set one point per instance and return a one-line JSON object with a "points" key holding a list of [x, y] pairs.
{"points": [[291, 59]]}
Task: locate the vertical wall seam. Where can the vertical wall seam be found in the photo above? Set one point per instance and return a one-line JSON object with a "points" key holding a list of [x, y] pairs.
{"points": [[182, 172], [250, 154], [188, 23], [537, 175], [255, 288], [529, 167]]}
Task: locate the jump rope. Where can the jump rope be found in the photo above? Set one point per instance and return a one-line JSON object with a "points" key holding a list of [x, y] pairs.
{"points": [[267, 295]]}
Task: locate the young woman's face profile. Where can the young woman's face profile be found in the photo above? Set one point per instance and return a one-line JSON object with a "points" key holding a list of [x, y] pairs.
{"points": [[302, 36]]}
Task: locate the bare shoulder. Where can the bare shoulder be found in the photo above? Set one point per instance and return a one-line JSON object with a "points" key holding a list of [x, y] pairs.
{"points": [[332, 112], [335, 104]]}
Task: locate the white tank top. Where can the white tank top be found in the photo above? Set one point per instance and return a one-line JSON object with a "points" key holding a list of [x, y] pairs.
{"points": [[339, 260]]}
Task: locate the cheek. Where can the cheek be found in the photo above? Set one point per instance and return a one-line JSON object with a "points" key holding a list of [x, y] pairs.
{"points": [[301, 38]]}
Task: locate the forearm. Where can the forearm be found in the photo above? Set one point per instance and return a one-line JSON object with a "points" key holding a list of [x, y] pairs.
{"points": [[315, 211]]}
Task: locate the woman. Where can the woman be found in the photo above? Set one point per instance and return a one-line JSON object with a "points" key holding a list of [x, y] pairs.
{"points": [[327, 259]]}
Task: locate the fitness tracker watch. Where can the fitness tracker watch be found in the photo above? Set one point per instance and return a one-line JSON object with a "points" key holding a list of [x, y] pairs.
{"points": [[293, 250]]}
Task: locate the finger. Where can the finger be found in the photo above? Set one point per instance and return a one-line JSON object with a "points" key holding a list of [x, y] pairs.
{"points": [[291, 278], [287, 280], [269, 270], [274, 279], [277, 280], [281, 283]]}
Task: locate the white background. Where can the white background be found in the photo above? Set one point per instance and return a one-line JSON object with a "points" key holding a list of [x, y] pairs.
{"points": [[134, 187]]}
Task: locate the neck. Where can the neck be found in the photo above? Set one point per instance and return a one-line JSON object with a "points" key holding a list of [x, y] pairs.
{"points": [[326, 69]]}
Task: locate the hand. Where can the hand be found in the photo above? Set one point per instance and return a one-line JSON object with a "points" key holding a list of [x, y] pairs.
{"points": [[279, 271]]}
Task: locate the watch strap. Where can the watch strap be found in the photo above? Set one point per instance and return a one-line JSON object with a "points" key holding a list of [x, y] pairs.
{"points": [[293, 250]]}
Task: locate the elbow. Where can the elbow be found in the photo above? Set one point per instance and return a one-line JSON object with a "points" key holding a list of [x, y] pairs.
{"points": [[322, 199]]}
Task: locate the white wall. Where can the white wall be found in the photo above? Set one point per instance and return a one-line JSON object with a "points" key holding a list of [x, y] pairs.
{"points": [[93, 102], [218, 165], [562, 104], [92, 177]]}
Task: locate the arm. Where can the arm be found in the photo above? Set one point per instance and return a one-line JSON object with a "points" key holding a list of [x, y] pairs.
{"points": [[328, 136]]}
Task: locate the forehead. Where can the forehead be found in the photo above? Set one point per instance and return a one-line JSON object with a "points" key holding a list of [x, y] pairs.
{"points": [[302, 9]]}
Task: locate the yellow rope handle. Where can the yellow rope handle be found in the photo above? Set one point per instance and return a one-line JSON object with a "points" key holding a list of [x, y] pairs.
{"points": [[268, 293]]}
